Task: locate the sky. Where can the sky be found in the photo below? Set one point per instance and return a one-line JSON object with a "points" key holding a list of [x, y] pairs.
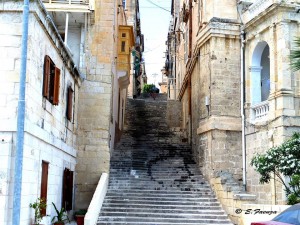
{"points": [[154, 25]]}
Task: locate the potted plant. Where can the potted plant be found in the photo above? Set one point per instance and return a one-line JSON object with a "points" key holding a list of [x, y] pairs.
{"points": [[38, 206], [79, 216], [61, 216]]}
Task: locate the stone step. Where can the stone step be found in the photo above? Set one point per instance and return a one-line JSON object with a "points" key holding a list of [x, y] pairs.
{"points": [[156, 223], [147, 178], [175, 202], [169, 215], [157, 192], [146, 199], [212, 210], [154, 220], [146, 207], [158, 184], [158, 195]]}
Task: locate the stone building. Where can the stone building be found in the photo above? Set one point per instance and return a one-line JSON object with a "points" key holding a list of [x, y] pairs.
{"points": [[78, 71], [223, 55], [138, 74], [163, 84], [51, 113]]}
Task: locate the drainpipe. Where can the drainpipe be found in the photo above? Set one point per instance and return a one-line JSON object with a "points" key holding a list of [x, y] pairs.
{"points": [[242, 106], [244, 156], [20, 121]]}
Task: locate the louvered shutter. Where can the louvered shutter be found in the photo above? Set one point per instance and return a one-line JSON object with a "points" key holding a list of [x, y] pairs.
{"points": [[56, 86], [44, 184], [70, 103], [47, 63]]}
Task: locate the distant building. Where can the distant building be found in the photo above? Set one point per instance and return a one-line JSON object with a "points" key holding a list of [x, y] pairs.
{"points": [[163, 84]]}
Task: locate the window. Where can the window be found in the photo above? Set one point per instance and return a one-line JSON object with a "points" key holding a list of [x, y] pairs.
{"points": [[123, 35], [186, 44], [123, 44], [67, 189], [265, 74], [51, 81], [69, 103], [44, 184]]}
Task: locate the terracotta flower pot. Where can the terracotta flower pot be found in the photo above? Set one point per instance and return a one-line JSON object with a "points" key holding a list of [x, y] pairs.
{"points": [[80, 219]]}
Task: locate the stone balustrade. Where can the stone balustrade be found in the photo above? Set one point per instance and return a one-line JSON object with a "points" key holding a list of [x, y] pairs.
{"points": [[260, 110]]}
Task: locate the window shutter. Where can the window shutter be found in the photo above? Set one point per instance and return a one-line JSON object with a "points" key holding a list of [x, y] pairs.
{"points": [[47, 63], [70, 103], [56, 86], [44, 184], [67, 189]]}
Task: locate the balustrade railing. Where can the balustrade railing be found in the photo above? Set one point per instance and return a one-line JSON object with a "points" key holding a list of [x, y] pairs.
{"points": [[260, 110]]}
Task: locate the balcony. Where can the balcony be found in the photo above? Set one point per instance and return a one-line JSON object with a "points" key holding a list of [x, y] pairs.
{"points": [[260, 111], [70, 5]]}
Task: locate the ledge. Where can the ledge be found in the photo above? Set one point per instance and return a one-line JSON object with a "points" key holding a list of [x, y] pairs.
{"points": [[244, 197], [220, 123]]}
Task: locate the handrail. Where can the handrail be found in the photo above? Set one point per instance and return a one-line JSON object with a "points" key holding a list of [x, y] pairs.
{"points": [[94, 209]]}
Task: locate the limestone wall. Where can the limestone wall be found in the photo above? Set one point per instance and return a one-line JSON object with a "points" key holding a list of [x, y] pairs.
{"points": [[174, 113], [215, 82], [95, 110]]}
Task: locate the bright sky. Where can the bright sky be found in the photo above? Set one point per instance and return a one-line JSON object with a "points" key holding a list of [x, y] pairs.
{"points": [[154, 25]]}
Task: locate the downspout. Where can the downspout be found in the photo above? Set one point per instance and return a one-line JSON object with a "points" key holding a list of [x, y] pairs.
{"points": [[244, 155], [20, 121], [242, 106], [175, 62]]}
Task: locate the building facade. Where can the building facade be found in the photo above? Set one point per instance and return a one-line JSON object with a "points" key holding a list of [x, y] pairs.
{"points": [[51, 113], [228, 64]]}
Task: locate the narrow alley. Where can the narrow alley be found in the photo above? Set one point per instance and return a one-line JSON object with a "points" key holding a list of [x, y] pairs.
{"points": [[153, 178]]}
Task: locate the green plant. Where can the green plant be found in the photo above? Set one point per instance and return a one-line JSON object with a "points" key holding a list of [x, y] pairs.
{"points": [[148, 88], [282, 162], [38, 206], [61, 216], [80, 212]]}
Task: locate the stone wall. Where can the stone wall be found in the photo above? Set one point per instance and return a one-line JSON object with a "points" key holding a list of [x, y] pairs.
{"points": [[216, 141], [95, 111], [174, 113]]}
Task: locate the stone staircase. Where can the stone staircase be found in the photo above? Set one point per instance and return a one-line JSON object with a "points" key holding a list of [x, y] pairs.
{"points": [[154, 180]]}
